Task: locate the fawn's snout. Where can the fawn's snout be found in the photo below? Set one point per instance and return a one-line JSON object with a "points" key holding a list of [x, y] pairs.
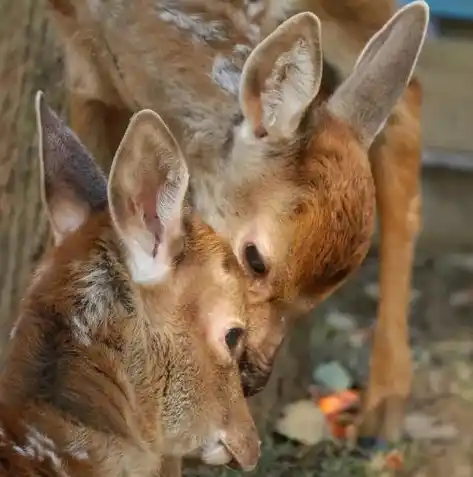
{"points": [[238, 445]]}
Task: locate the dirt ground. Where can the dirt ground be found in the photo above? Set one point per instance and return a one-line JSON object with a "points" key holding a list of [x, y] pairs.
{"points": [[440, 418]]}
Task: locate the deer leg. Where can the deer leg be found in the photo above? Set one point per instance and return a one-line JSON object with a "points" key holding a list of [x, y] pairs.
{"points": [[395, 160]]}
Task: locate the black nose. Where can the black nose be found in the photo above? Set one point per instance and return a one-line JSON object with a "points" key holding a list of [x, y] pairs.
{"points": [[251, 387], [233, 464], [253, 376]]}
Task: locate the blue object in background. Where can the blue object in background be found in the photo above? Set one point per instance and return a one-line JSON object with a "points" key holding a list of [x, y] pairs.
{"points": [[453, 9]]}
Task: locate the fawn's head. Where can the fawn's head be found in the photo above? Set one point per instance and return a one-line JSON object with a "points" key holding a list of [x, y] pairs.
{"points": [[303, 212], [153, 281]]}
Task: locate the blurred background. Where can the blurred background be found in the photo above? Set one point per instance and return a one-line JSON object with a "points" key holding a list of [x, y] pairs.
{"points": [[441, 412]]}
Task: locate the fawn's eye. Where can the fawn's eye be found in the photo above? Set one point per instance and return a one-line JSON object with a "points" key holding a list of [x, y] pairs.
{"points": [[233, 337], [254, 260]]}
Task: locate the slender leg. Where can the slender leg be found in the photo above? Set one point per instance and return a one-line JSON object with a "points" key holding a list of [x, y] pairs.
{"points": [[395, 160], [100, 126]]}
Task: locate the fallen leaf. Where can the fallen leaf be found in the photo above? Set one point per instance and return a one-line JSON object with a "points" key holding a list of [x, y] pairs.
{"points": [[339, 402], [304, 422]]}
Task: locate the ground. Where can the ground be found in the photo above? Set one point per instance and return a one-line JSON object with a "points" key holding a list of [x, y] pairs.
{"points": [[440, 413]]}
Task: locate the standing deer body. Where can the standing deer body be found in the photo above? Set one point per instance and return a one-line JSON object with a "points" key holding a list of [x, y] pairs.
{"points": [[287, 150], [126, 350]]}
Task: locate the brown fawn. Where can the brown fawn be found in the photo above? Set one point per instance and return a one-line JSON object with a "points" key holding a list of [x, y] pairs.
{"points": [[126, 350], [289, 142]]}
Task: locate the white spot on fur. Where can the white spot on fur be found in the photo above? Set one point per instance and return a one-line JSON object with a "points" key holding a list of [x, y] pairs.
{"points": [[97, 293], [40, 447], [143, 267], [194, 24], [245, 131], [15, 327], [225, 74], [81, 331], [226, 71], [77, 451], [80, 455], [94, 298]]}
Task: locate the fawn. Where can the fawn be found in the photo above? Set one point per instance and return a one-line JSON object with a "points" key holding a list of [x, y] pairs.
{"points": [[289, 142], [127, 347]]}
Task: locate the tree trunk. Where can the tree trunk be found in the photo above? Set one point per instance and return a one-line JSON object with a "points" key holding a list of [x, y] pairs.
{"points": [[29, 60]]}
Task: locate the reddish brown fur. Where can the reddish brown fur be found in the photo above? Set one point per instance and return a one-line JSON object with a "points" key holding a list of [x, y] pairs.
{"points": [[108, 375], [294, 196], [336, 176], [72, 393]]}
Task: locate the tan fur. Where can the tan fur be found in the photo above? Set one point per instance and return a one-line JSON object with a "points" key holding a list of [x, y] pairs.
{"points": [[106, 376], [300, 186]]}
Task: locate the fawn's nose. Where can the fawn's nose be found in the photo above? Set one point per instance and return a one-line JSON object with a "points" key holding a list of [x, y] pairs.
{"points": [[243, 448], [238, 450]]}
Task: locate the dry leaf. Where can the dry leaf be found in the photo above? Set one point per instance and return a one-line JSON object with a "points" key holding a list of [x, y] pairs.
{"points": [[304, 422]]}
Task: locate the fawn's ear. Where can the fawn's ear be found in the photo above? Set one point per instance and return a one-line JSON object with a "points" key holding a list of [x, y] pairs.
{"points": [[72, 185], [147, 186], [365, 100], [282, 76]]}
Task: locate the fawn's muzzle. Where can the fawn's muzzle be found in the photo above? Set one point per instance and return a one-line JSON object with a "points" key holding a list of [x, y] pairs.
{"points": [[244, 449], [237, 458], [238, 446]]}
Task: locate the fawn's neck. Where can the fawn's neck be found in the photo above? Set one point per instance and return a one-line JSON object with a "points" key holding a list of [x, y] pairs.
{"points": [[76, 354]]}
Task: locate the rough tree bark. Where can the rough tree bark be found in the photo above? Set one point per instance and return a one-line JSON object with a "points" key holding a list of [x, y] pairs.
{"points": [[29, 60]]}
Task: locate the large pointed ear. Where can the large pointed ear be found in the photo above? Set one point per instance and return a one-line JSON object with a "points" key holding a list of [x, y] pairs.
{"points": [[72, 185], [365, 100], [282, 76], [147, 187]]}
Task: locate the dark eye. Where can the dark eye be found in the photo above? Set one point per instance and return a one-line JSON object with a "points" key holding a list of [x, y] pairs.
{"points": [[254, 259], [233, 337]]}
